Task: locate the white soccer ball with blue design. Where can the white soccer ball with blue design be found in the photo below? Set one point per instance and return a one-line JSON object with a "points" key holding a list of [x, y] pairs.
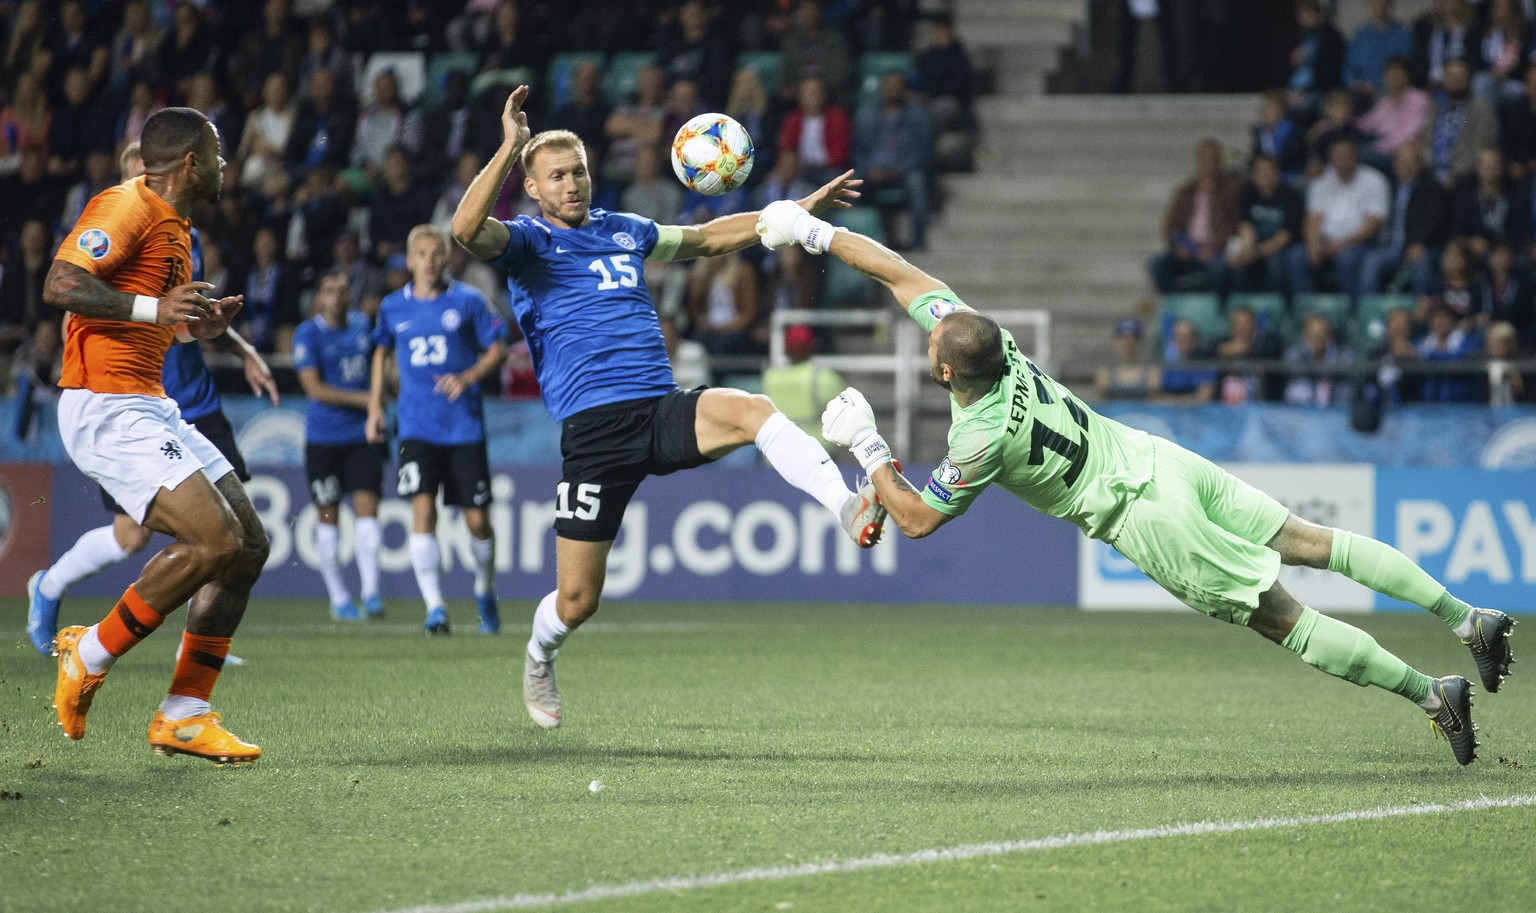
{"points": [[712, 154]]}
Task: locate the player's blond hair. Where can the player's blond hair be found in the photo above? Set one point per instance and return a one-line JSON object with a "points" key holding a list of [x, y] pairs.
{"points": [[550, 139], [427, 231]]}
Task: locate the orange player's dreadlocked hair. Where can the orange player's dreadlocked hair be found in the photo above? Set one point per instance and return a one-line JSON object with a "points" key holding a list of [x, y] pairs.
{"points": [[550, 139]]}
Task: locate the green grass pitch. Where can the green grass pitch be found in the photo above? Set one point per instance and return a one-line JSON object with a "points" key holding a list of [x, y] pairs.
{"points": [[402, 772]]}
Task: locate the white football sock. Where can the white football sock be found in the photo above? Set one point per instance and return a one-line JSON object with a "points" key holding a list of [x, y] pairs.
{"points": [[330, 568], [92, 654], [91, 553], [181, 707], [427, 562], [802, 461], [365, 543], [484, 551], [549, 632]]}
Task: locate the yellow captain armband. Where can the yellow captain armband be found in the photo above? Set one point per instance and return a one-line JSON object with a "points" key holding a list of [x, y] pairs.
{"points": [[668, 239]]}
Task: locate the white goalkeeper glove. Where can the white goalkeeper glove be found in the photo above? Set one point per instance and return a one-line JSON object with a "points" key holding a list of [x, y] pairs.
{"points": [[784, 222], [848, 420]]}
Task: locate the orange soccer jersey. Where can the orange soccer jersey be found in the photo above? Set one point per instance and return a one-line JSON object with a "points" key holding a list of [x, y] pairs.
{"points": [[131, 239]]}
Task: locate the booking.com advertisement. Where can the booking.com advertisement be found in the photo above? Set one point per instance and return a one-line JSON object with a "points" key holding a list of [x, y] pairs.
{"points": [[707, 534]]}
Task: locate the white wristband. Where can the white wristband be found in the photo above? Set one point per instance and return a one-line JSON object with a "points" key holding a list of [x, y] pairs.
{"points": [[815, 235], [871, 451], [145, 309]]}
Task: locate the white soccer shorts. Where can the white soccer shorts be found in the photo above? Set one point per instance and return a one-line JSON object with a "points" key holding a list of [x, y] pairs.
{"points": [[134, 445]]}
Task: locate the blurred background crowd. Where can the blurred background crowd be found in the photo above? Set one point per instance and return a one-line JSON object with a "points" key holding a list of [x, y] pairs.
{"points": [[347, 122], [1384, 210]]}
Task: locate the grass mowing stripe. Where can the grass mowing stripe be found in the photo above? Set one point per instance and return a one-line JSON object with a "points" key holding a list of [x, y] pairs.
{"points": [[949, 854]]}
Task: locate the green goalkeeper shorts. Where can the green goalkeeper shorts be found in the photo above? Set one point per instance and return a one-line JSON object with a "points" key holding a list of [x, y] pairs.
{"points": [[1200, 532]]}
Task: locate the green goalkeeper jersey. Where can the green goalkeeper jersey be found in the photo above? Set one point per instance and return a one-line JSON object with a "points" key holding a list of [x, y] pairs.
{"points": [[1031, 437]]}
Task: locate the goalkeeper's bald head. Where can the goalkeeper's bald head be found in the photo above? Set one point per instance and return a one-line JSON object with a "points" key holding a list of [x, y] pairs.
{"points": [[971, 344]]}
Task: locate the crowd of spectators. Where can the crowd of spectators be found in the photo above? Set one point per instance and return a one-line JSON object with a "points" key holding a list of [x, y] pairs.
{"points": [[1395, 172], [347, 122]]}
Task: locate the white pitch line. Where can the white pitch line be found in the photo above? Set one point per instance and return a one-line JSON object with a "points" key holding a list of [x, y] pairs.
{"points": [[946, 854]]}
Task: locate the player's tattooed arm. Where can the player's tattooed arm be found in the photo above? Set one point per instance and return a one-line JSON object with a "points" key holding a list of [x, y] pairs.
{"points": [[70, 288], [905, 504]]}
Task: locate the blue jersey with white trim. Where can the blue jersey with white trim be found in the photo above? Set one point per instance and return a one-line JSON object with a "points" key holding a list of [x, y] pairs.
{"points": [[434, 337], [341, 357], [581, 301], [185, 375]]}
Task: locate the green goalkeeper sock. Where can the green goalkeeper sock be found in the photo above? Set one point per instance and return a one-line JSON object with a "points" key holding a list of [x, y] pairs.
{"points": [[1387, 570], [1347, 652]]}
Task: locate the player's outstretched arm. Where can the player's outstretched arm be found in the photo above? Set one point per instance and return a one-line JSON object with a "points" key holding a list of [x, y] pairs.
{"points": [[784, 222], [734, 232], [70, 288], [484, 237], [849, 421]]}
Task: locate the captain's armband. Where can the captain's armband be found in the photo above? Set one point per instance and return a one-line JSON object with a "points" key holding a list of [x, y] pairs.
{"points": [[668, 239]]}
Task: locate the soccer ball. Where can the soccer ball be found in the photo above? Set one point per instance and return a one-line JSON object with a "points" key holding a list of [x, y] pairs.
{"points": [[712, 154]]}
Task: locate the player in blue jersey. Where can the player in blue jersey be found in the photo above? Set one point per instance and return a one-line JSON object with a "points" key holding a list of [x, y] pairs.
{"points": [[188, 381], [602, 367], [445, 340], [331, 353]]}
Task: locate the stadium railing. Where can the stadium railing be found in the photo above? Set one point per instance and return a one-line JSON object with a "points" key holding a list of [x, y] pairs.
{"points": [[907, 360]]}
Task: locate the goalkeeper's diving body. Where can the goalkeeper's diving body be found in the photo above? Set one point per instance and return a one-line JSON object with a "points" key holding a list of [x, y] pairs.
{"points": [[1208, 538]]}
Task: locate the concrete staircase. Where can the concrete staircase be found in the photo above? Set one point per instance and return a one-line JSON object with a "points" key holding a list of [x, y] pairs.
{"points": [[1067, 198]]}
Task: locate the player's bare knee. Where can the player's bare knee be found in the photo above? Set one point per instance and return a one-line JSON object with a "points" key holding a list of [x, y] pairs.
{"points": [[253, 555], [577, 605], [132, 539]]}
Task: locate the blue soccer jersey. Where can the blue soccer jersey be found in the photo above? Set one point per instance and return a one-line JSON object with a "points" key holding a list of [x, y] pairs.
{"points": [[432, 338], [580, 300], [185, 375], [341, 357]]}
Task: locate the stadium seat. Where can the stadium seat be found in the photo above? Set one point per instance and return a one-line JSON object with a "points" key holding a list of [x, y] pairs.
{"points": [[410, 72], [1334, 306], [438, 67], [1203, 309], [1368, 327], [557, 83], [507, 79], [766, 63], [622, 74], [1269, 307], [875, 64], [844, 286]]}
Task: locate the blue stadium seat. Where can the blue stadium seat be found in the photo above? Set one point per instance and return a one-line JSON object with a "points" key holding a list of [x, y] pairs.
{"points": [[622, 74], [843, 286], [438, 68], [1203, 309], [557, 82], [1367, 329], [766, 63], [507, 80], [1269, 307], [875, 64], [410, 68], [1335, 307]]}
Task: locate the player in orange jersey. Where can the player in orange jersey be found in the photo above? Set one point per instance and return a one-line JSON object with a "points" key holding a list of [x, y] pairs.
{"points": [[122, 276]]}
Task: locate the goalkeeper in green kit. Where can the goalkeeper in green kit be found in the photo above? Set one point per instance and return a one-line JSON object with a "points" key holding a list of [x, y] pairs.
{"points": [[1208, 538]]}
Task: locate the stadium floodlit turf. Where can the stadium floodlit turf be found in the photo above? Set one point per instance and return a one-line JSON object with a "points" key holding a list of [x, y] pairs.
{"points": [[773, 757]]}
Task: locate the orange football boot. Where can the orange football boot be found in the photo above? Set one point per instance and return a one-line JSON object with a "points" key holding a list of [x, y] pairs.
{"points": [[202, 736], [75, 688]]}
